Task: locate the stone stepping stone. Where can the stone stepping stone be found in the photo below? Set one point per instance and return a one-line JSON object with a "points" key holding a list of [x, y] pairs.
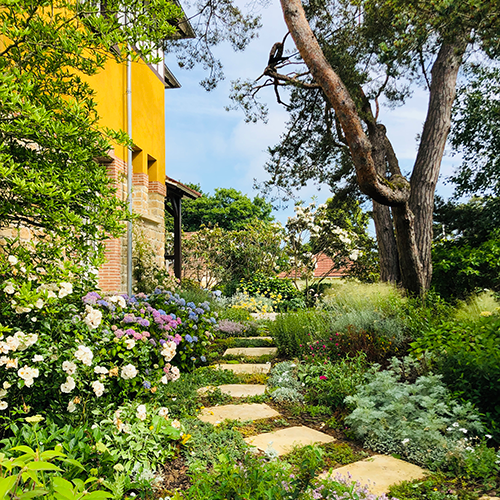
{"points": [[242, 413], [284, 440], [235, 390], [379, 472], [269, 316], [251, 352], [245, 367], [256, 338]]}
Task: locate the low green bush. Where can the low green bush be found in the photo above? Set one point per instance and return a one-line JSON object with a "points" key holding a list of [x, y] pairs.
{"points": [[466, 355], [284, 383], [330, 383], [418, 421]]}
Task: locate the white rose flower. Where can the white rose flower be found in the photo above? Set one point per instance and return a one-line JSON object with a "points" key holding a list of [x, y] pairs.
{"points": [[163, 412], [84, 354], [69, 385], [6, 385], [37, 358], [141, 412], [93, 318], [164, 379], [9, 289], [39, 303], [118, 299], [3, 393], [128, 372], [98, 388], [65, 289], [130, 343], [13, 342], [176, 424], [3, 405], [12, 260], [175, 373], [51, 294], [69, 367], [25, 372], [101, 369], [71, 406]]}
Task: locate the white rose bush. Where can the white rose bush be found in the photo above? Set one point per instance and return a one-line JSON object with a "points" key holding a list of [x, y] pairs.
{"points": [[63, 351]]}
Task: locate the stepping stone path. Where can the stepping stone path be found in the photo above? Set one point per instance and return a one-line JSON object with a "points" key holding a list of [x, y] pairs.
{"points": [[251, 352], [246, 368], [242, 413], [235, 390], [285, 439], [378, 472]]}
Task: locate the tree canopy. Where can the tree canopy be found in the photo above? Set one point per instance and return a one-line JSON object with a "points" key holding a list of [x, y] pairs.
{"points": [[227, 208], [353, 56]]}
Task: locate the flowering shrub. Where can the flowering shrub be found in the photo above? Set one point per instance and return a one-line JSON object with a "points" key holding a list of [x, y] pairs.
{"points": [[85, 350], [256, 304]]}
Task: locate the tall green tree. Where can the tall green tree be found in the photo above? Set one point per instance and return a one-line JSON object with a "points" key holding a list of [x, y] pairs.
{"points": [[352, 54], [227, 208]]}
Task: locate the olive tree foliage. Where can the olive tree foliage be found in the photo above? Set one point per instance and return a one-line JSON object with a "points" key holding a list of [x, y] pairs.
{"points": [[352, 56]]}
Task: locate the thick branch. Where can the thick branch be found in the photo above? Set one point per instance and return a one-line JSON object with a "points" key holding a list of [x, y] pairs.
{"points": [[394, 193]]}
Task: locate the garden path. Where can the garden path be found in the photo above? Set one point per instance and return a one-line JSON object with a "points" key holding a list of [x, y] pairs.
{"points": [[378, 472]]}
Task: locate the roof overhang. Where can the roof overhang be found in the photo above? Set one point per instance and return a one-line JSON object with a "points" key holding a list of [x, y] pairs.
{"points": [[180, 190]]}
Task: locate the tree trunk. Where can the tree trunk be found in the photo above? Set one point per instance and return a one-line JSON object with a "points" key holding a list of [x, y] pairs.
{"points": [[430, 153], [386, 242], [413, 234]]}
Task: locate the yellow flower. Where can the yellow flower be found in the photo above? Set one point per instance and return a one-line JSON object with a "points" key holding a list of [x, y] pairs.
{"points": [[34, 419], [486, 313]]}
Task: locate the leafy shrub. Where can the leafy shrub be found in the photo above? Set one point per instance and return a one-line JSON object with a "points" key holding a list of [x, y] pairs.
{"points": [[479, 305], [418, 421], [284, 380], [83, 352], [348, 344], [281, 290], [292, 330], [467, 356], [255, 304], [329, 383]]}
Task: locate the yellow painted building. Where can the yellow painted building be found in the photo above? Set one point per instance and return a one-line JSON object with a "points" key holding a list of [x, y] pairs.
{"points": [[147, 92]]}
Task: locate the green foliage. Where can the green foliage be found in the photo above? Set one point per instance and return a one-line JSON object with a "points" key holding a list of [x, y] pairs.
{"points": [[476, 120], [147, 274], [466, 355], [50, 181], [461, 269], [284, 383], [210, 445], [330, 383], [228, 209], [418, 421], [222, 258], [281, 290]]}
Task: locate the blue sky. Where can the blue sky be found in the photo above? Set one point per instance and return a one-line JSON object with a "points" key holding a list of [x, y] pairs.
{"points": [[215, 148]]}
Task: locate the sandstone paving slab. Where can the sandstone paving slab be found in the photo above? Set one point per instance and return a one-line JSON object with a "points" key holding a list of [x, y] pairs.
{"points": [[253, 352], [256, 338], [235, 390], [269, 316], [379, 472], [284, 440], [245, 367], [241, 413]]}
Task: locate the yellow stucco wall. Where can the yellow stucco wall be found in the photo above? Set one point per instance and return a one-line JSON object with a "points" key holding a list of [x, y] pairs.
{"points": [[148, 110]]}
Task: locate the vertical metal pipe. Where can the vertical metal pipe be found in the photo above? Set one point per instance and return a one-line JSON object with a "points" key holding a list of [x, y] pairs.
{"points": [[129, 173]]}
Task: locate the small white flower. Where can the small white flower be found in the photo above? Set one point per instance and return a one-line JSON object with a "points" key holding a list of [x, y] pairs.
{"points": [[488, 436], [128, 372], [84, 354], [13, 260], [9, 289], [130, 343], [176, 424], [93, 317], [101, 369], [405, 441], [65, 289], [39, 303], [141, 412], [98, 388], [463, 430], [37, 358], [3, 405], [71, 407], [6, 385], [163, 411], [69, 367], [69, 385], [118, 299], [3, 393], [456, 424]]}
